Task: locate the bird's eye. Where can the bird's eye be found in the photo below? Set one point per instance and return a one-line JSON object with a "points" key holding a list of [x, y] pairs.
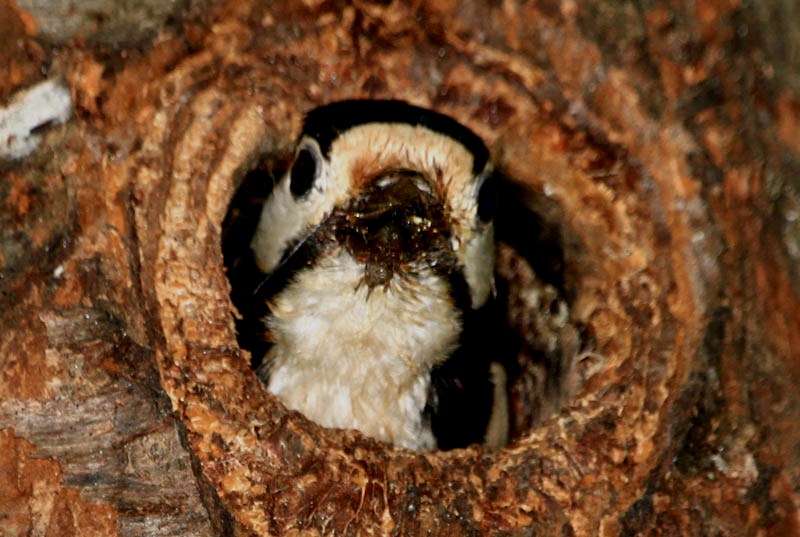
{"points": [[487, 198], [304, 171]]}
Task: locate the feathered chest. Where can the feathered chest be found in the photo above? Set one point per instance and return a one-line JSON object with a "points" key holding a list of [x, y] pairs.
{"points": [[350, 358]]}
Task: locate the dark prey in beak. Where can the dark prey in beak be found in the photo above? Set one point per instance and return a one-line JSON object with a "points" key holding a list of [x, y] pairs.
{"points": [[394, 223]]}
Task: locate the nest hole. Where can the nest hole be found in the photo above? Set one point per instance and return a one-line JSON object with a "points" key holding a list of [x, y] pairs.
{"points": [[538, 341]]}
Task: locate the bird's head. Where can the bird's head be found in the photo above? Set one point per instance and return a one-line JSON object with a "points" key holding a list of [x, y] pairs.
{"points": [[399, 188]]}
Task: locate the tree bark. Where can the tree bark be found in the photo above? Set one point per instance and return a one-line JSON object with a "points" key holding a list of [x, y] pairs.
{"points": [[660, 141]]}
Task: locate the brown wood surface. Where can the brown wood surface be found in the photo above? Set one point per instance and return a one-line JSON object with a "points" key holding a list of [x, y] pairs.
{"points": [[662, 141]]}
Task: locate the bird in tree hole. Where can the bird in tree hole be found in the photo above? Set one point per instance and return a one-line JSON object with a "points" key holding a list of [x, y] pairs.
{"points": [[378, 250]]}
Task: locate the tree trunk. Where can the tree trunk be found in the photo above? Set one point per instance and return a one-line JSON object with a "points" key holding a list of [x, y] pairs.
{"points": [[660, 142]]}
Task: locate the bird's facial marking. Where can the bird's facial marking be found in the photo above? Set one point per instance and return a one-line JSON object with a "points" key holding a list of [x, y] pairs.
{"points": [[304, 172]]}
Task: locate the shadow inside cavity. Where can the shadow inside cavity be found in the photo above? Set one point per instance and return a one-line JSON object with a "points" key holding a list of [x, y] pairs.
{"points": [[247, 293]]}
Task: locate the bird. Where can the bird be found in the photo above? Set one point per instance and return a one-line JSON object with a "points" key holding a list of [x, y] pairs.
{"points": [[378, 257]]}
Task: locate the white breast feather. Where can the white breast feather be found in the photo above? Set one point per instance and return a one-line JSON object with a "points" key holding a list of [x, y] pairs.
{"points": [[348, 361]]}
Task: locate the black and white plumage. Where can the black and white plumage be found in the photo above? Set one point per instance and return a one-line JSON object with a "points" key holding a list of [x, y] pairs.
{"points": [[379, 254]]}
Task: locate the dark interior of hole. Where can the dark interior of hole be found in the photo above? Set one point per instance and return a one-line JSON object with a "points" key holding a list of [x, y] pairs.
{"points": [[245, 277], [537, 367]]}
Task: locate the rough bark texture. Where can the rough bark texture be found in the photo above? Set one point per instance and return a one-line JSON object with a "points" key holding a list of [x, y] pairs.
{"points": [[661, 139]]}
